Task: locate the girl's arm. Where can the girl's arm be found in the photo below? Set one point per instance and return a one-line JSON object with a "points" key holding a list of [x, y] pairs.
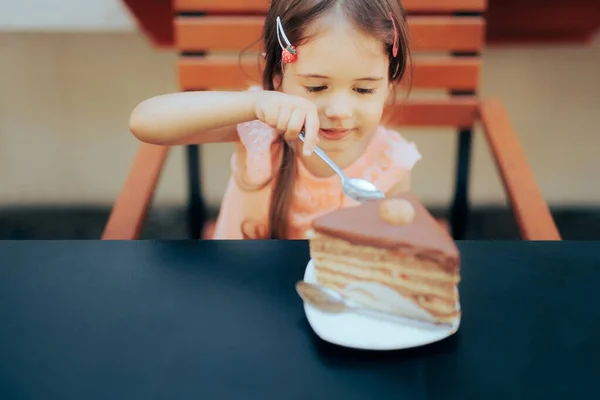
{"points": [[192, 117], [205, 117]]}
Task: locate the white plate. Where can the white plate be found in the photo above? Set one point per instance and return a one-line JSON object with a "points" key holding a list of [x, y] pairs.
{"points": [[369, 333]]}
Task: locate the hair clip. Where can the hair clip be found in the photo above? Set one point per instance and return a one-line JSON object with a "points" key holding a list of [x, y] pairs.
{"points": [[395, 46], [288, 53]]}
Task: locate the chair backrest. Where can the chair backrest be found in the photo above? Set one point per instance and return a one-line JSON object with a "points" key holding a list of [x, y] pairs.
{"points": [[447, 37]]}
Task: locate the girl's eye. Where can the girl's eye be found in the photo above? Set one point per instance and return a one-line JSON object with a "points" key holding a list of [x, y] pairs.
{"points": [[365, 91], [314, 89]]}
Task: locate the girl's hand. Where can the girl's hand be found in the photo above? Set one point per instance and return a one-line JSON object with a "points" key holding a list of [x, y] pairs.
{"points": [[288, 115]]}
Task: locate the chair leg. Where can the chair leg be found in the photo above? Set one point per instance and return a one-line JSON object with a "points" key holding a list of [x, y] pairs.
{"points": [[459, 212], [196, 206]]}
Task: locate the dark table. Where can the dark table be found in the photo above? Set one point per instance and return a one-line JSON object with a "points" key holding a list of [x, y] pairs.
{"points": [[221, 320]]}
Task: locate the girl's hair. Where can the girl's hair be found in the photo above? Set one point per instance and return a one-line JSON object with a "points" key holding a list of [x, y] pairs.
{"points": [[370, 16]]}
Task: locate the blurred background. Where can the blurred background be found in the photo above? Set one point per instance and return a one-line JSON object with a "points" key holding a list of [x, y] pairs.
{"points": [[73, 70]]}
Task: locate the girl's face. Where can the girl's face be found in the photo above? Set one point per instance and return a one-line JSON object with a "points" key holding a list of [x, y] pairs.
{"points": [[344, 72]]}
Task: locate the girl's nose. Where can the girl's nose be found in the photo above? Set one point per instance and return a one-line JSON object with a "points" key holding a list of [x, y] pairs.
{"points": [[339, 107]]}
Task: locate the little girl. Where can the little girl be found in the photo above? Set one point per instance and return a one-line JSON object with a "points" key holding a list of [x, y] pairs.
{"points": [[330, 67]]}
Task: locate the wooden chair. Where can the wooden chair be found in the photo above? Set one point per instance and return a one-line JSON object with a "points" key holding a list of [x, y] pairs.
{"points": [[453, 28]]}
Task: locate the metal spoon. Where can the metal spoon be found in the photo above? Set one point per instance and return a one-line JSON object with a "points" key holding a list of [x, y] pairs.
{"points": [[355, 188], [333, 302]]}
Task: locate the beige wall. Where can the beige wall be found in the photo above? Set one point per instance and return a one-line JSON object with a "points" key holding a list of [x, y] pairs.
{"points": [[65, 16], [65, 99]]}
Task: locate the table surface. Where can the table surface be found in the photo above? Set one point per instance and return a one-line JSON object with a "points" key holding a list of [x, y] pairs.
{"points": [[221, 319]]}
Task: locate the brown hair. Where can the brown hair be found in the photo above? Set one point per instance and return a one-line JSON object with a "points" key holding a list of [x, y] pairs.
{"points": [[370, 16]]}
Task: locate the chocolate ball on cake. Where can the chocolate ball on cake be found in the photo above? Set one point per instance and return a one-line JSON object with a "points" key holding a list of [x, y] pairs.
{"points": [[396, 211]]}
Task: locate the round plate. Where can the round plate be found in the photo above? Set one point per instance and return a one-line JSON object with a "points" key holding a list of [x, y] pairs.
{"points": [[368, 333]]}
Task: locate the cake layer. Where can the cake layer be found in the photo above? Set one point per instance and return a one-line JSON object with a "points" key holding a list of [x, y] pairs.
{"points": [[391, 254], [339, 268], [439, 312], [364, 225], [340, 264], [394, 262], [434, 304]]}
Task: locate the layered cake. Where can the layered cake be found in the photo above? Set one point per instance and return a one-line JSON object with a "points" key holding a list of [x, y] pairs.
{"points": [[390, 254]]}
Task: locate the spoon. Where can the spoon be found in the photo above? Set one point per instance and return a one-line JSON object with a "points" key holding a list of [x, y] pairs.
{"points": [[333, 302], [355, 188]]}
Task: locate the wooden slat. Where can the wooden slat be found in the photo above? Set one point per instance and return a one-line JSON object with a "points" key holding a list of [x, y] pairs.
{"points": [[129, 211], [261, 6], [531, 210], [226, 72], [234, 33], [451, 73], [446, 33], [454, 112]]}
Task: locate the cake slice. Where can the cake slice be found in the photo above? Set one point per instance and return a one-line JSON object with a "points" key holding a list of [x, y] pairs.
{"points": [[391, 254]]}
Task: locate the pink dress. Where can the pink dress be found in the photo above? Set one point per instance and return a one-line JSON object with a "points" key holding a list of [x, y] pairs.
{"points": [[385, 162]]}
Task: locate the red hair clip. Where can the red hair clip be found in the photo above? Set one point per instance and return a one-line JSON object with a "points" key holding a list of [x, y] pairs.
{"points": [[395, 47], [288, 53]]}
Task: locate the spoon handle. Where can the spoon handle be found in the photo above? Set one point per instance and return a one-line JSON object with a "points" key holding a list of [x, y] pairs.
{"points": [[325, 158]]}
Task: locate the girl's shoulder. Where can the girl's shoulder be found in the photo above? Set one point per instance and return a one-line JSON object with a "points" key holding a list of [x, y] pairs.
{"points": [[391, 148], [388, 160]]}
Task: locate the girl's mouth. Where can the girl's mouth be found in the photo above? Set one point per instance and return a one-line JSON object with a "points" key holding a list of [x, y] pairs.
{"points": [[334, 134]]}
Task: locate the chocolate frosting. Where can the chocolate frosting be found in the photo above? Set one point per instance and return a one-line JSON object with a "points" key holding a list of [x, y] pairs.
{"points": [[363, 225]]}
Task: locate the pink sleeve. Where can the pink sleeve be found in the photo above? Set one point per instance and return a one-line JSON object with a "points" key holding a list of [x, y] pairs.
{"points": [[396, 161], [405, 154], [257, 137]]}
